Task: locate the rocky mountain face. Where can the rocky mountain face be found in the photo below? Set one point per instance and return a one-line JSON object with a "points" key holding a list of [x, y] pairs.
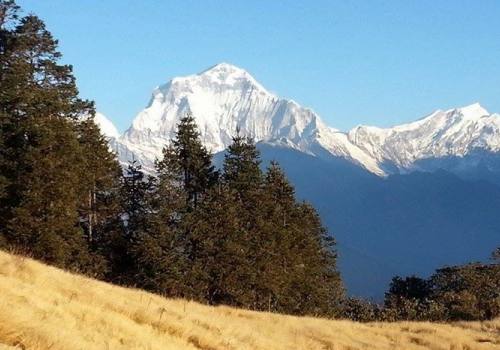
{"points": [[399, 200]]}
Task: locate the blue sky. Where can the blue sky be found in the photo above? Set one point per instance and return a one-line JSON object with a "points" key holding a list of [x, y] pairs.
{"points": [[353, 62]]}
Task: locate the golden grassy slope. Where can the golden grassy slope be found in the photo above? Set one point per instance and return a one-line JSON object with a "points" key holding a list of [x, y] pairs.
{"points": [[43, 307]]}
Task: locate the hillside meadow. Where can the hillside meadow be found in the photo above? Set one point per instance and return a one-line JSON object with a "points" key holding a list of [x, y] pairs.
{"points": [[42, 307]]}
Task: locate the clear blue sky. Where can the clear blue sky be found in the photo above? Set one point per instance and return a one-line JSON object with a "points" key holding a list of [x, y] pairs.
{"points": [[353, 62]]}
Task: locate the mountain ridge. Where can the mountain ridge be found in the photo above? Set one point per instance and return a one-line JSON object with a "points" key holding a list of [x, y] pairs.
{"points": [[224, 98]]}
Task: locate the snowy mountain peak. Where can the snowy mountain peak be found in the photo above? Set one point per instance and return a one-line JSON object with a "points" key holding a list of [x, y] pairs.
{"points": [[205, 95], [222, 99], [225, 97], [225, 71], [473, 111], [224, 68], [219, 76]]}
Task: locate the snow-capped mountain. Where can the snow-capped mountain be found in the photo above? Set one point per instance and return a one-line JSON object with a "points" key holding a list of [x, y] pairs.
{"points": [[457, 132], [225, 98]]}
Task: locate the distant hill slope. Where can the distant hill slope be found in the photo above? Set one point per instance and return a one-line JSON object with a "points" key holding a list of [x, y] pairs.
{"points": [[45, 308]]}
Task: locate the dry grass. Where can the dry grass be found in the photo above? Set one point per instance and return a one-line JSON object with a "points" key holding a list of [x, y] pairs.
{"points": [[42, 307]]}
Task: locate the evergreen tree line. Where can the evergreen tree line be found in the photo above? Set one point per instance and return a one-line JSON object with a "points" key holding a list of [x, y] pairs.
{"points": [[234, 236], [237, 236], [463, 292]]}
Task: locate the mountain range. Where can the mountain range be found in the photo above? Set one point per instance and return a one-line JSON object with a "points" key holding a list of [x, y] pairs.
{"points": [[399, 200]]}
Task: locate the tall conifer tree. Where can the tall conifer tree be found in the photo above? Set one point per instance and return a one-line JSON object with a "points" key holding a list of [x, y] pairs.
{"points": [[100, 181], [158, 249], [242, 166], [136, 192], [189, 162], [99, 198], [135, 200], [243, 177], [185, 176], [39, 108]]}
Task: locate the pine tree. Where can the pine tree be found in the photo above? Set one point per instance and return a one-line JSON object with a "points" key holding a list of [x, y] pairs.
{"points": [[276, 255], [321, 288], [45, 221], [172, 198], [8, 13], [135, 195], [100, 180], [39, 106], [189, 162], [136, 192], [149, 253], [244, 178], [301, 267], [159, 247], [281, 193], [184, 177], [9, 18], [242, 166], [99, 205], [156, 243]]}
